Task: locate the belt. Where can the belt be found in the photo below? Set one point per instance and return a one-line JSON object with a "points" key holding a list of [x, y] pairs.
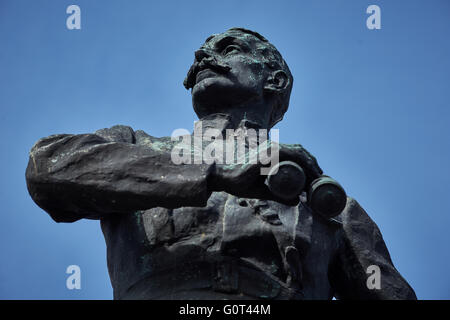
{"points": [[228, 277]]}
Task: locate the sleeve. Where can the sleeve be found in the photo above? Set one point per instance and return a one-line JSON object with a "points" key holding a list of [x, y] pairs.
{"points": [[362, 247], [92, 175]]}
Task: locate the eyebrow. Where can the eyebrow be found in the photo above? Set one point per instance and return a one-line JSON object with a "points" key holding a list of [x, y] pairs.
{"points": [[210, 37], [230, 40]]}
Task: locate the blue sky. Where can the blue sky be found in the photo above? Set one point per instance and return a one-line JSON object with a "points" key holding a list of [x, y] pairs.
{"points": [[371, 105]]}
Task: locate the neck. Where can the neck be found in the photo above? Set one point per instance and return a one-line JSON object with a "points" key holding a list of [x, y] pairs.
{"points": [[222, 122], [256, 116]]}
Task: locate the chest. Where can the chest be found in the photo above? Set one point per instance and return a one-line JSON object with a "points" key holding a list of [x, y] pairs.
{"points": [[289, 243]]}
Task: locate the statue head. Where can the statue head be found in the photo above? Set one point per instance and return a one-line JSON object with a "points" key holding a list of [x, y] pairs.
{"points": [[240, 73]]}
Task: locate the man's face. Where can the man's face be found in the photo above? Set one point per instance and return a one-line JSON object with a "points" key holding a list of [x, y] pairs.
{"points": [[227, 72]]}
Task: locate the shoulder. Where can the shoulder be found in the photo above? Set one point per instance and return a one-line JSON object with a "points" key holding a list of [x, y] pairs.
{"points": [[122, 133], [354, 215], [161, 144], [117, 133], [361, 231]]}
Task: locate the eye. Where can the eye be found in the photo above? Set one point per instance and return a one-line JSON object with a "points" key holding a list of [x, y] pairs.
{"points": [[230, 49]]}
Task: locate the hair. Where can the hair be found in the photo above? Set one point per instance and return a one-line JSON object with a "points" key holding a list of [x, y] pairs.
{"points": [[273, 60]]}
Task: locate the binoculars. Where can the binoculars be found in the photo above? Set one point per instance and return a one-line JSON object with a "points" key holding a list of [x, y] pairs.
{"points": [[326, 197]]}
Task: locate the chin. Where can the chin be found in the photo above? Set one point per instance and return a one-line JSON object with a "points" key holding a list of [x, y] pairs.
{"points": [[220, 94], [212, 85], [213, 91]]}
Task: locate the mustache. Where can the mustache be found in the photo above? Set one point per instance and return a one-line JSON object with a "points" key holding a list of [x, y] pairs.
{"points": [[208, 63]]}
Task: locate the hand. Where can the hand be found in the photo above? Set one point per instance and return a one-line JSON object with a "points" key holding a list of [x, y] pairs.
{"points": [[245, 179], [299, 155]]}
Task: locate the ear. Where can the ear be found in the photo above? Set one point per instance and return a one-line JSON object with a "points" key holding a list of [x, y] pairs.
{"points": [[277, 81]]}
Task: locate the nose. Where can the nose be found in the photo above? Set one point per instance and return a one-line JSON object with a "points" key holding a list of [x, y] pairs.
{"points": [[201, 54]]}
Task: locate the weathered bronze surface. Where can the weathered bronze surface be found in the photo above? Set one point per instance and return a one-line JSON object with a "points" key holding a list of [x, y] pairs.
{"points": [[212, 231]]}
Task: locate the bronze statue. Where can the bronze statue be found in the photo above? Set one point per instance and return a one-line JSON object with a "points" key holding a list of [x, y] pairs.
{"points": [[213, 230]]}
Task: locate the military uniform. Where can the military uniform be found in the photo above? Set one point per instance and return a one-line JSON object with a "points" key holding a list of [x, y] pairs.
{"points": [[169, 237]]}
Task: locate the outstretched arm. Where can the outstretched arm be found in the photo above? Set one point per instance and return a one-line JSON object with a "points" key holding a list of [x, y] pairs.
{"points": [[362, 246], [93, 175]]}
